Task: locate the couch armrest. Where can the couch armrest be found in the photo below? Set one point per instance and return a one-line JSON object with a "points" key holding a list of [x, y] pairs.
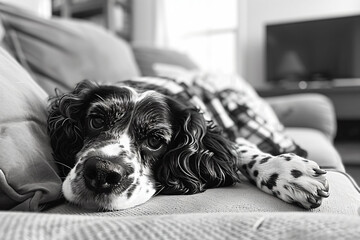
{"points": [[311, 110]]}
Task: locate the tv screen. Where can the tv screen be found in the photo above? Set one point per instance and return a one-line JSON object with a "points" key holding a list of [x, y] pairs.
{"points": [[319, 50]]}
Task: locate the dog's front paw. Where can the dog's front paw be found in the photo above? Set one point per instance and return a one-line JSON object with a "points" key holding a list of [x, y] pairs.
{"points": [[301, 181]]}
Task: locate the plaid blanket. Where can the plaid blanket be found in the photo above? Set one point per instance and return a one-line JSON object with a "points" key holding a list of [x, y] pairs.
{"points": [[228, 108]]}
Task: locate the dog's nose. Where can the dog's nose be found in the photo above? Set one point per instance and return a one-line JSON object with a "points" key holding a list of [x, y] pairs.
{"points": [[102, 175]]}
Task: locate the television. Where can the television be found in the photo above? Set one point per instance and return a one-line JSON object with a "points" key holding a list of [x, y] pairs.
{"points": [[324, 50]]}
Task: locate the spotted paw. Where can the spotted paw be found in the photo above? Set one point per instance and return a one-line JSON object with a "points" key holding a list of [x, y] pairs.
{"points": [[295, 180]]}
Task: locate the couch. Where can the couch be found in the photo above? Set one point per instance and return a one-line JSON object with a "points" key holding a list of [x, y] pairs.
{"points": [[38, 55]]}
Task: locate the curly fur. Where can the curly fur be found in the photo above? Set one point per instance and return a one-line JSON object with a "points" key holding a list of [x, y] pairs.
{"points": [[65, 125], [198, 157]]}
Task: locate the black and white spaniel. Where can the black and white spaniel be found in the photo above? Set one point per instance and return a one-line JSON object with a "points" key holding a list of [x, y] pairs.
{"points": [[117, 146]]}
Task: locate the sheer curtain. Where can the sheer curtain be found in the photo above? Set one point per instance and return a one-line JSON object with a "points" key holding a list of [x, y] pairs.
{"points": [[40, 7], [207, 30]]}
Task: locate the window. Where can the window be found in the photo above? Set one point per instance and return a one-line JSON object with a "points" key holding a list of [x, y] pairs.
{"points": [[205, 29]]}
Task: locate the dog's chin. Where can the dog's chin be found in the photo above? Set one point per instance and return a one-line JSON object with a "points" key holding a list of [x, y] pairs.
{"points": [[130, 196]]}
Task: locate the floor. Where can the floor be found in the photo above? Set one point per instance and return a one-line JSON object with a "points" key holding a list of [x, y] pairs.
{"points": [[350, 154]]}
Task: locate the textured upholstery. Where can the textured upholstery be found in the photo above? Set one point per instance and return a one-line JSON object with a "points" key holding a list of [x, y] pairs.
{"points": [[318, 146], [306, 110], [27, 173], [243, 197], [60, 53], [302, 226], [148, 57]]}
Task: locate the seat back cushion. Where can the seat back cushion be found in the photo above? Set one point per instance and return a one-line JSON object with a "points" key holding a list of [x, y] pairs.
{"points": [[28, 175], [61, 52], [318, 146], [151, 60]]}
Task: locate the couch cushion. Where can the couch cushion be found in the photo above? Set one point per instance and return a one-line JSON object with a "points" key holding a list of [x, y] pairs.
{"points": [[59, 53], [243, 197], [150, 59], [198, 226], [308, 110], [27, 172], [318, 146]]}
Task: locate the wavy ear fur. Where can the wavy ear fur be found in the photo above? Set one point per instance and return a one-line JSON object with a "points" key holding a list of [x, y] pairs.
{"points": [[198, 157], [65, 126]]}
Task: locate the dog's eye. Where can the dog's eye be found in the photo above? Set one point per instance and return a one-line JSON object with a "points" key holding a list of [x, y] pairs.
{"points": [[96, 123], [154, 142]]}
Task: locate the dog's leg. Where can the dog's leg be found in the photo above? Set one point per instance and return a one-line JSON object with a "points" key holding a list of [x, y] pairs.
{"points": [[286, 176]]}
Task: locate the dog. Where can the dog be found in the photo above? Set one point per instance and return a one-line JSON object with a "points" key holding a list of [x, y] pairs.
{"points": [[119, 145]]}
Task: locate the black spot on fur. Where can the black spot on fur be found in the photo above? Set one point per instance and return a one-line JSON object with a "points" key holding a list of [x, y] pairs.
{"points": [[252, 182], [286, 157], [296, 173], [255, 156], [264, 160], [243, 151], [271, 182], [251, 164], [298, 204], [131, 189], [256, 173], [244, 167]]}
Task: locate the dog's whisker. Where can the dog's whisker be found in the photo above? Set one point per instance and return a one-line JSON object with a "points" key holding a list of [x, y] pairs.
{"points": [[160, 188], [63, 164]]}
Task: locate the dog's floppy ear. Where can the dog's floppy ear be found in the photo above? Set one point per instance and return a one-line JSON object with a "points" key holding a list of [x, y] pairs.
{"points": [[64, 124], [198, 156]]}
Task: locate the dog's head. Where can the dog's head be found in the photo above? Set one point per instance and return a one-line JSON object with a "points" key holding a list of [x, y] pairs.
{"points": [[117, 146]]}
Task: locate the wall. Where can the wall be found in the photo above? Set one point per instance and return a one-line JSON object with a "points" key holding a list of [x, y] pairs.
{"points": [[260, 12], [40, 7]]}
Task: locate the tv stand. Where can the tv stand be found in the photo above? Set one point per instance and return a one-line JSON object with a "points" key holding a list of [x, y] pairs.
{"points": [[319, 84]]}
